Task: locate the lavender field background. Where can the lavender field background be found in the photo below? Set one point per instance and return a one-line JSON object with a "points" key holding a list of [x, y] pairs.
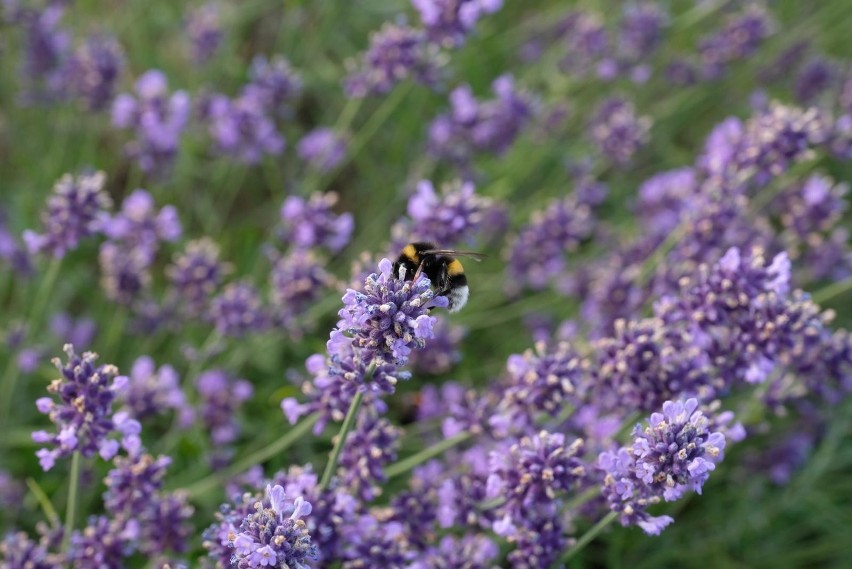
{"points": [[653, 368]]}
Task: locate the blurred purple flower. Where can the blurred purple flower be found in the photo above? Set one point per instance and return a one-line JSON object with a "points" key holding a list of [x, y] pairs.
{"points": [[395, 54], [274, 83], [537, 256], [151, 391], [442, 352], [617, 131], [297, 280], [468, 552], [664, 197], [94, 71], [157, 118], [448, 22], [741, 36], [368, 449], [816, 77], [489, 126], [238, 310], [312, 223], [196, 273], [76, 209], [221, 396], [75, 331], [141, 225], [323, 149], [83, 415], [457, 215], [46, 51], [242, 128], [204, 31]]}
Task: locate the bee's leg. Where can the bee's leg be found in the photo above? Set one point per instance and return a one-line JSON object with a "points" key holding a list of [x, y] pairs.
{"points": [[418, 271]]}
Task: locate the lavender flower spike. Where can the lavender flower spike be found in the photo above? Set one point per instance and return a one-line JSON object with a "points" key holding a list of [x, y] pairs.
{"points": [[274, 535], [77, 209], [83, 415], [673, 454]]}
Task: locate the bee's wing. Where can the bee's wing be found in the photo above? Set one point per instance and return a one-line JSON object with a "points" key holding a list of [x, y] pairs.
{"points": [[471, 254]]}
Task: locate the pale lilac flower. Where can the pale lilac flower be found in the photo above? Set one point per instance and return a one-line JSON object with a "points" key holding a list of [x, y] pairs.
{"points": [[323, 149], [94, 71], [617, 131], [313, 223], [204, 31], [449, 22]]}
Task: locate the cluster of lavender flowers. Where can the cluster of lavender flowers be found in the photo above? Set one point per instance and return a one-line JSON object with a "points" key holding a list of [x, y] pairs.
{"points": [[487, 465], [399, 52]]}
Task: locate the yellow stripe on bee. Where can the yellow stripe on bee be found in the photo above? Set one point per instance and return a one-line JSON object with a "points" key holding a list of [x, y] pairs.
{"points": [[455, 268], [411, 253]]}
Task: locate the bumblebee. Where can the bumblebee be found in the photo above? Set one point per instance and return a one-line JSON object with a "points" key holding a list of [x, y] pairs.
{"points": [[441, 266]]}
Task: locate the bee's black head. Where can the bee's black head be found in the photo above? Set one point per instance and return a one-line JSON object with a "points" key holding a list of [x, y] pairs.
{"points": [[411, 258]]}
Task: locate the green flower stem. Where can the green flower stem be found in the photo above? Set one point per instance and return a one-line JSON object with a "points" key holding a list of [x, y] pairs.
{"points": [[257, 457], [38, 306], [588, 537], [71, 506], [407, 464], [348, 423], [44, 502], [834, 289]]}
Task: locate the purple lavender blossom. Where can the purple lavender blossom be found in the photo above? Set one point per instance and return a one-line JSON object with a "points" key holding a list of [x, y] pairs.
{"points": [[395, 54], [196, 273], [19, 551], [378, 329], [83, 416], [460, 496], [95, 69], [76, 331], [274, 535], [448, 22], [132, 483], [640, 29], [374, 542], [468, 552], [242, 128], [157, 118], [297, 280], [204, 31], [151, 391], [543, 380], [390, 317], [221, 396], [646, 363], [104, 542], [76, 209], [529, 473], [737, 39], [664, 197], [537, 254], [312, 223], [45, 53], [140, 224], [12, 250], [238, 310], [673, 454], [442, 353], [368, 449], [457, 215], [490, 126], [322, 149], [586, 41], [274, 83], [776, 139], [125, 271], [617, 131], [816, 77], [11, 494]]}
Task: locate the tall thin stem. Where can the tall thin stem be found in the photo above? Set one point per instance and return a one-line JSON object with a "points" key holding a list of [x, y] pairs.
{"points": [[588, 537], [407, 464], [348, 423], [71, 506]]}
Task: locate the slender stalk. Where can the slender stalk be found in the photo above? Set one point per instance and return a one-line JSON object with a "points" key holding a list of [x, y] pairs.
{"points": [[348, 423], [588, 537], [44, 502], [256, 457], [71, 506], [834, 289], [404, 466]]}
